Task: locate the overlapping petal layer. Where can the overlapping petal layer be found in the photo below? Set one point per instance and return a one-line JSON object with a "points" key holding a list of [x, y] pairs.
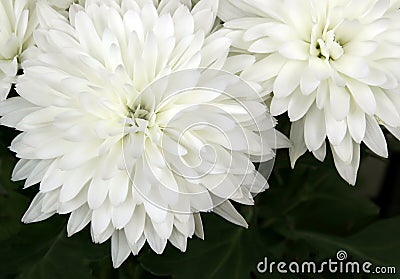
{"points": [[332, 66]]}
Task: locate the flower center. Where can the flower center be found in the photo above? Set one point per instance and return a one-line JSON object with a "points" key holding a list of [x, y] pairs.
{"points": [[328, 47], [140, 116], [139, 112], [323, 42]]}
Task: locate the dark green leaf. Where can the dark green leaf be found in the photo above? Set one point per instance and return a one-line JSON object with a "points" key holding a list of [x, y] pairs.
{"points": [[227, 252]]}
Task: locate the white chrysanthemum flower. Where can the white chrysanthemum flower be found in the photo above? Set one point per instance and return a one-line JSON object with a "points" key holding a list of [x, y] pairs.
{"points": [[333, 65], [17, 22], [122, 131]]}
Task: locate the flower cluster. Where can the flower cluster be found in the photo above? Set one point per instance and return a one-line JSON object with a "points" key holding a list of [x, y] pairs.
{"points": [[136, 116]]}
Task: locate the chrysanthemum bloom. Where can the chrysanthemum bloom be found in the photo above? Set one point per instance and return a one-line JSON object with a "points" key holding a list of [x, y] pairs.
{"points": [[121, 133], [333, 66], [17, 22]]}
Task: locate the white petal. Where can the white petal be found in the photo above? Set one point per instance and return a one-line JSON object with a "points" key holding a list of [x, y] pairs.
{"points": [[335, 130], [297, 138], [37, 173], [34, 212], [165, 228], [377, 10], [308, 82], [228, 11], [395, 131], [320, 153], [122, 214], [119, 186], [184, 23], [385, 109], [74, 183], [299, 105], [140, 183], [322, 95], [23, 169], [264, 45], [120, 249], [178, 240], [288, 78], [237, 63], [13, 104], [101, 218], [104, 236], [13, 118], [297, 50], [360, 48], [348, 171], [198, 226], [352, 66], [227, 211], [204, 13], [134, 229], [79, 219], [344, 150], [356, 123], [156, 211], [138, 245], [74, 204], [156, 243], [74, 159], [339, 101], [258, 183], [215, 52], [87, 34], [264, 69], [314, 128], [52, 179], [98, 190], [200, 199], [279, 105], [363, 96], [220, 185], [319, 68], [50, 201], [186, 227], [374, 138]]}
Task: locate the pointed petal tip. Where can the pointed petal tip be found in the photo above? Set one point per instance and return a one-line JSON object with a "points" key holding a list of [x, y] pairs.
{"points": [[351, 180], [292, 165], [24, 220], [183, 249], [293, 159]]}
